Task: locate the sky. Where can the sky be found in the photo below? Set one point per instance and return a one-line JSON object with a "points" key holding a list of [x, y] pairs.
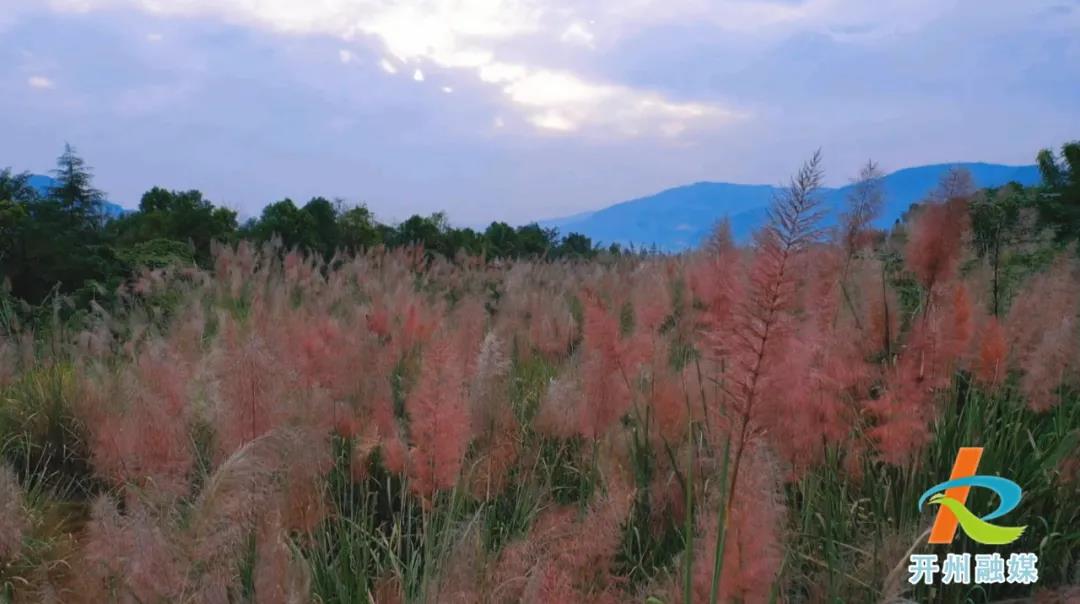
{"points": [[520, 110]]}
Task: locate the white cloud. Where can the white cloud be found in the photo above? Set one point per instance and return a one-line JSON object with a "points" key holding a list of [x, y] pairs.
{"points": [[563, 102], [553, 120], [154, 37], [40, 82], [472, 35], [447, 89], [495, 73], [418, 75], [548, 88], [504, 42], [578, 33], [345, 56]]}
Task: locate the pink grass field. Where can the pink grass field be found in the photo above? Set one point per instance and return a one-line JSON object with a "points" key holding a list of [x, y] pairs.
{"points": [[396, 426]]}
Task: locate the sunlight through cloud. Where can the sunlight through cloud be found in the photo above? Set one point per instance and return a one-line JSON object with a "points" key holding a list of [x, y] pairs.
{"points": [[483, 36]]}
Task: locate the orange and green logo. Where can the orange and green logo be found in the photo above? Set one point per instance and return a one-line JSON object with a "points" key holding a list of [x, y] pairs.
{"points": [[952, 495]]}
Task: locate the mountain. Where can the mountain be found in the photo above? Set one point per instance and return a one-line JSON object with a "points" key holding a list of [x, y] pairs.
{"points": [[44, 183], [679, 218]]}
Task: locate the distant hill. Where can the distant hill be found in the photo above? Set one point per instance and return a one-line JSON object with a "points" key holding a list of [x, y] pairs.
{"points": [[677, 219], [43, 183]]}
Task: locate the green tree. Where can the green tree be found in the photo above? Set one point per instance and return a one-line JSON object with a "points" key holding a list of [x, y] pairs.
{"points": [[58, 242], [324, 217], [1059, 206], [462, 241], [500, 240], [533, 241], [178, 216], [576, 245], [15, 194], [16, 187], [74, 189], [295, 227], [357, 229], [423, 230], [996, 226]]}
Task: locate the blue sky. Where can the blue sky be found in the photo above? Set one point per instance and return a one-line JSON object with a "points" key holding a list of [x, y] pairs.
{"points": [[523, 109]]}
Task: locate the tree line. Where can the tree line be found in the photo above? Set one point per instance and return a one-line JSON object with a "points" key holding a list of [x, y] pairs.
{"points": [[61, 240]]}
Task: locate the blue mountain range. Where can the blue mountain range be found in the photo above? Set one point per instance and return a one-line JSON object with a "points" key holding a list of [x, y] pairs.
{"points": [[42, 184], [679, 218]]}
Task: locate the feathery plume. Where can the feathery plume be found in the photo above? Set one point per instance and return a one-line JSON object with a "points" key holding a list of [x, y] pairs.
{"points": [[936, 242], [753, 546], [129, 557], [992, 354], [762, 320], [606, 367], [863, 206], [279, 577], [559, 408], [1041, 330], [138, 422], [439, 424]]}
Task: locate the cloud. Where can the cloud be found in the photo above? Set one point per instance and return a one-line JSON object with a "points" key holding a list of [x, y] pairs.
{"points": [[658, 92], [40, 82], [563, 102], [345, 56], [154, 37], [418, 75], [578, 33], [502, 42]]}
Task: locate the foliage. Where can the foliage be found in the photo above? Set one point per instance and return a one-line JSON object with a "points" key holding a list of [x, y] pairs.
{"points": [[1059, 205], [415, 423], [64, 243]]}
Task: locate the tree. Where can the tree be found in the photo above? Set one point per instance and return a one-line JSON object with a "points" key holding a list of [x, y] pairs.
{"points": [[1059, 206], [324, 217], [995, 226], [533, 241], [500, 240], [422, 230], [12, 217], [15, 194], [357, 229], [295, 227], [576, 245], [458, 241], [16, 187], [178, 216], [74, 190], [57, 242]]}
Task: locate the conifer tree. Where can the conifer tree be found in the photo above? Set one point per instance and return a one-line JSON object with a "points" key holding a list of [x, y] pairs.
{"points": [[74, 189]]}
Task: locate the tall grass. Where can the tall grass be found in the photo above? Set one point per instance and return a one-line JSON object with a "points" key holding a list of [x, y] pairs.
{"points": [[393, 427]]}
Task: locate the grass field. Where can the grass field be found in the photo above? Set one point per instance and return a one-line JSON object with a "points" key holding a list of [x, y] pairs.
{"points": [[739, 424]]}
